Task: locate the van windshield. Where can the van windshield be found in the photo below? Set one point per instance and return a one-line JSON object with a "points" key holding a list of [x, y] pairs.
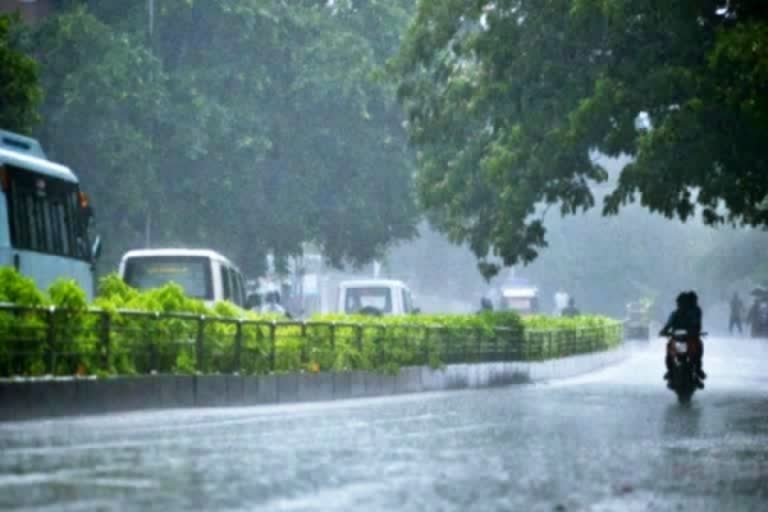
{"points": [[192, 273], [368, 297], [520, 304]]}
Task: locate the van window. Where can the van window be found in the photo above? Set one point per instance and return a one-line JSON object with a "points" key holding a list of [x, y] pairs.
{"points": [[239, 291], [520, 304], [192, 273], [234, 290], [407, 305], [225, 284]]}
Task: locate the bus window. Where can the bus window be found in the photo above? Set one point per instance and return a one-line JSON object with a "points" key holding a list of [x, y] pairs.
{"points": [[43, 215]]}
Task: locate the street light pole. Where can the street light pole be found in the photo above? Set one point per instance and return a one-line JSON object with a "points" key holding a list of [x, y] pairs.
{"points": [[150, 43], [151, 15]]}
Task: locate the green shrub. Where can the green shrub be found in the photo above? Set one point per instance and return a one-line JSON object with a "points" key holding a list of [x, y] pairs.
{"points": [[160, 330]]}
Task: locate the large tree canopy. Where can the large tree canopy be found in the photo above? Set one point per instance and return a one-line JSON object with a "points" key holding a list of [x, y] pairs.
{"points": [[508, 101], [246, 126], [19, 89]]}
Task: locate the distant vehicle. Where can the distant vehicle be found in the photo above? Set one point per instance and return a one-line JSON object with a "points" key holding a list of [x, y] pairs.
{"points": [[44, 216], [202, 273], [266, 301], [637, 323], [519, 296], [375, 297]]}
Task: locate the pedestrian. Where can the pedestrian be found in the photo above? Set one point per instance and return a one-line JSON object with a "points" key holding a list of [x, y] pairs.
{"points": [[571, 309], [485, 305], [737, 310], [561, 301]]}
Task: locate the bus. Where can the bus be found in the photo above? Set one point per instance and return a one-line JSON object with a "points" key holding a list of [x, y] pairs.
{"points": [[44, 217]]}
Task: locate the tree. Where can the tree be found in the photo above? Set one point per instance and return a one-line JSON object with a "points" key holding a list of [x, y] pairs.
{"points": [[19, 89], [99, 105], [257, 126], [507, 100], [604, 262]]}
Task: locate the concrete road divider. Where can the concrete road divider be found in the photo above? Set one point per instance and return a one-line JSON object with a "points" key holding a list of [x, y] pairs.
{"points": [[22, 399]]}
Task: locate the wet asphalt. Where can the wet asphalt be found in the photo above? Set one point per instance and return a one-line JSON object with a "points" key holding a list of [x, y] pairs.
{"points": [[611, 440]]}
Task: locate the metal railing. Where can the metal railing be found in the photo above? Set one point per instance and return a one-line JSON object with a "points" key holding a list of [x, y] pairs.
{"points": [[50, 341]]}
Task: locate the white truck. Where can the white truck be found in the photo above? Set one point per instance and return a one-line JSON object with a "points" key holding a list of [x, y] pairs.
{"points": [[375, 297]]}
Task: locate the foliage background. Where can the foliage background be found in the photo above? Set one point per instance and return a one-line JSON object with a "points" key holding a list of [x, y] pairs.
{"points": [[248, 126]]}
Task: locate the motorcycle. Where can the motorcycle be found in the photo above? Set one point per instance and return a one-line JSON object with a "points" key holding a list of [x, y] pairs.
{"points": [[683, 379]]}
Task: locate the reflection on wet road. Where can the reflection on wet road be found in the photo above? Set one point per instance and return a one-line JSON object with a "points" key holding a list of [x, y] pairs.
{"points": [[614, 440]]}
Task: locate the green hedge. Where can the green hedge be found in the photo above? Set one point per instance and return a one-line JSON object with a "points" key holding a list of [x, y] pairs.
{"points": [[129, 332]]}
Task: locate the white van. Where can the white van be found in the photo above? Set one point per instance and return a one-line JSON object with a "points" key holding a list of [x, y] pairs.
{"points": [[204, 274], [376, 297], [522, 300]]}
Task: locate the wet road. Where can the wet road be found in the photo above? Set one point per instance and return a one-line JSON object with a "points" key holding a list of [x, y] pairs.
{"points": [[613, 440]]}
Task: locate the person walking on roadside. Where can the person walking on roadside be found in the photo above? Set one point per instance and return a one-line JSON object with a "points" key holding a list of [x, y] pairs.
{"points": [[737, 310], [571, 309], [561, 301]]}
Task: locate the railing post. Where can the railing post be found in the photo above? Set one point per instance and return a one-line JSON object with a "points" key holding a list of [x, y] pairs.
{"points": [[152, 343], [304, 356], [272, 345], [333, 337], [236, 366], [146, 343], [465, 345], [199, 349], [50, 340], [379, 342], [105, 341], [550, 343], [359, 341]]}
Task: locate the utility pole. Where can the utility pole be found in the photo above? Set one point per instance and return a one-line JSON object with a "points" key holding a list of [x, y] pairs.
{"points": [[151, 15], [150, 44]]}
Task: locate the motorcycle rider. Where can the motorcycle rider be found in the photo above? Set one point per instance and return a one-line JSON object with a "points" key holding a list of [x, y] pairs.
{"points": [[686, 317]]}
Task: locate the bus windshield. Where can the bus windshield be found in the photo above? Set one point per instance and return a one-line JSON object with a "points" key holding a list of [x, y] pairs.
{"points": [[44, 214], [192, 273]]}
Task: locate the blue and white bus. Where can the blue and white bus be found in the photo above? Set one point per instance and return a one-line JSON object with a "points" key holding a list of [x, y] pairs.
{"points": [[44, 217]]}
